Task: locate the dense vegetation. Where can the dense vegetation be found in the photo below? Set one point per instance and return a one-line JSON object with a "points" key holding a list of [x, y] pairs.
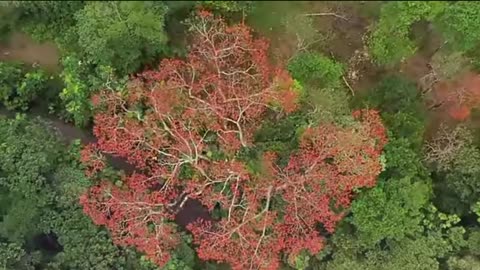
{"points": [[215, 147]]}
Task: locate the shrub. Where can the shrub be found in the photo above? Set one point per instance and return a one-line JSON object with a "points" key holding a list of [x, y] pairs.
{"points": [[19, 88]]}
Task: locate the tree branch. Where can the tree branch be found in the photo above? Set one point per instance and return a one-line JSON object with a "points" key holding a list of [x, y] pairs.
{"points": [[326, 14]]}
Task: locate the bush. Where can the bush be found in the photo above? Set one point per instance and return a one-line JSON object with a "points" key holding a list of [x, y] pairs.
{"points": [[314, 68], [81, 80], [19, 88]]}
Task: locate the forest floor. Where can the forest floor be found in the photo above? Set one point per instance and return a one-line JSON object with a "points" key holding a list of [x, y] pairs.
{"points": [[340, 30], [20, 47]]}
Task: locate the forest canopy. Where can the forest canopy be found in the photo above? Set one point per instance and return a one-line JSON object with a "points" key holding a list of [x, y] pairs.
{"points": [[239, 135]]}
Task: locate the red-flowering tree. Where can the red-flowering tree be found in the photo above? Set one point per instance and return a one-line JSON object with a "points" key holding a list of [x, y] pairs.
{"points": [[281, 210], [459, 96], [169, 122]]}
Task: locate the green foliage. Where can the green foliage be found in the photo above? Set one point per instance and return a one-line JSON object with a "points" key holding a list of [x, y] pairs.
{"points": [[76, 94], [407, 125], [225, 6], [280, 135], [27, 152], [448, 64], [329, 105], [395, 94], [390, 43], [266, 17], [81, 80], [402, 160], [85, 246], [476, 209], [464, 263], [302, 261], [401, 108], [13, 257], [46, 20], [390, 210], [457, 170], [468, 259], [9, 16], [459, 25], [423, 250], [183, 257], [21, 218], [304, 30], [314, 68], [19, 88], [420, 253], [10, 75], [122, 35], [321, 80], [40, 181]]}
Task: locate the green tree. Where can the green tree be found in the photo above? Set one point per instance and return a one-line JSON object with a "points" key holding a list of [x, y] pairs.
{"points": [[317, 69], [467, 262], [14, 257], [459, 25], [390, 210], [122, 35], [85, 246], [46, 20], [81, 80], [390, 43]]}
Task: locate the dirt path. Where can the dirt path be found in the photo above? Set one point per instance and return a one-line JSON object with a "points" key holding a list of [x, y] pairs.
{"points": [[20, 47]]}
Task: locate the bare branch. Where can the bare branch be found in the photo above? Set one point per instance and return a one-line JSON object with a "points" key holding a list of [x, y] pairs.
{"points": [[326, 14]]}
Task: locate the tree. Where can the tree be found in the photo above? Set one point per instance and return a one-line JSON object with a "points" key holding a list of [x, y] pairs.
{"points": [[12, 256], [391, 210], [225, 6], [122, 35], [317, 69], [400, 104], [445, 147], [395, 94], [419, 253], [390, 43], [278, 211], [84, 245], [458, 97], [458, 25], [82, 79], [40, 182], [184, 126], [46, 20]]}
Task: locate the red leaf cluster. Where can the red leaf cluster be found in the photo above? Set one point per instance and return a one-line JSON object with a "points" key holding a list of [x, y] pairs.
{"points": [[169, 121], [134, 217]]}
